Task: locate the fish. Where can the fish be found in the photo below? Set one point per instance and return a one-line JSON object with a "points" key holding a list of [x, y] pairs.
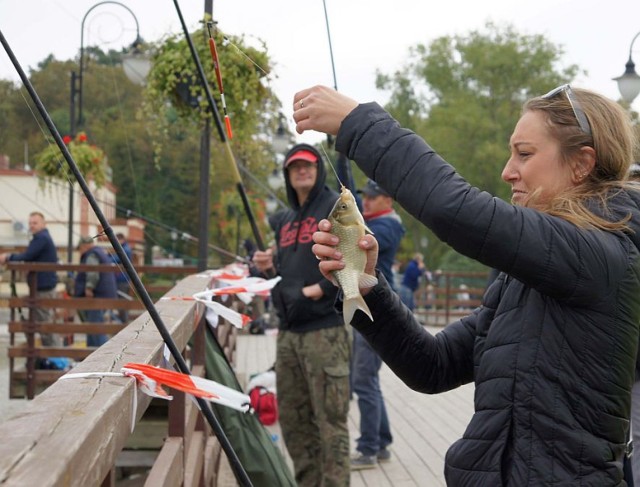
{"points": [[347, 223]]}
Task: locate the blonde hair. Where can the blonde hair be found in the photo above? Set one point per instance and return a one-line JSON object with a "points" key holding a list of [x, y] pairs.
{"points": [[614, 141]]}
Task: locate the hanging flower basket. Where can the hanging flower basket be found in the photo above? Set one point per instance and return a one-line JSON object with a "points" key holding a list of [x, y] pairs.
{"points": [[91, 160]]}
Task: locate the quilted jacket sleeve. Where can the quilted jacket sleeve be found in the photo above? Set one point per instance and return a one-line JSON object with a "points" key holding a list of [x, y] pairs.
{"points": [[544, 252], [426, 363]]}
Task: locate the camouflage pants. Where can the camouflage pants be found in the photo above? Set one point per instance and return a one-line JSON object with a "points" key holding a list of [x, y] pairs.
{"points": [[47, 315], [312, 373]]}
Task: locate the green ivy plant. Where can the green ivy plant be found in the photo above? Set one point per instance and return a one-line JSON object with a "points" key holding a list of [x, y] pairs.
{"points": [[175, 99]]}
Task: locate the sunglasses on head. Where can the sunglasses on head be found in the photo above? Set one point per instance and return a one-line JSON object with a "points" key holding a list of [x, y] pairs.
{"points": [[581, 117]]}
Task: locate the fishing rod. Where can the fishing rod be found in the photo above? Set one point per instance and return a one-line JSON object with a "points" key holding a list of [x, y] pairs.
{"points": [[134, 278], [343, 166], [221, 130]]}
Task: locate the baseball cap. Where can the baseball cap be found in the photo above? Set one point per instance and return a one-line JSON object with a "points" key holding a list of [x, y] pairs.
{"points": [[301, 155], [372, 189], [84, 240]]}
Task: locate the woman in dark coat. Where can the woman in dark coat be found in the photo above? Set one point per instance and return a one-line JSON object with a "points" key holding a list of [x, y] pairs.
{"points": [[553, 347]]}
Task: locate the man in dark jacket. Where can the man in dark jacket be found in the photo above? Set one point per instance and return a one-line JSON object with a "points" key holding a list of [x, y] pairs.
{"points": [[411, 280], [312, 364], [375, 432], [40, 249], [95, 285]]}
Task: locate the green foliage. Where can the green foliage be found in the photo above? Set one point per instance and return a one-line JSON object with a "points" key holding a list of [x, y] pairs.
{"points": [[176, 100], [176, 107], [464, 95], [164, 189], [90, 159]]}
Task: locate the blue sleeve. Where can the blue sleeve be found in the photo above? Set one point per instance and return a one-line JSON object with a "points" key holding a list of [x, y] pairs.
{"points": [[34, 249]]}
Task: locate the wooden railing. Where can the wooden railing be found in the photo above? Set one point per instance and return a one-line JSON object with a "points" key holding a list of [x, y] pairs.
{"points": [[75, 432], [443, 300], [25, 379]]}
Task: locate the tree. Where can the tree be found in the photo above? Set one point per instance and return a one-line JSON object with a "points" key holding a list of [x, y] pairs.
{"points": [[164, 188], [464, 95]]}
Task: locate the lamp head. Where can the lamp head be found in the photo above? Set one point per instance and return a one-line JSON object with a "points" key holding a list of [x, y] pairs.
{"points": [[629, 82]]}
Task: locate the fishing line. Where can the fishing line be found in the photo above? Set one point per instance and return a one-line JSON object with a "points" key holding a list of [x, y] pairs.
{"points": [[226, 40], [8, 211], [331, 165], [59, 159], [126, 138], [44, 210]]}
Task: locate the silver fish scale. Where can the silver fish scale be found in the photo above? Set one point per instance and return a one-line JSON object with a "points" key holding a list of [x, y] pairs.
{"points": [[354, 257]]}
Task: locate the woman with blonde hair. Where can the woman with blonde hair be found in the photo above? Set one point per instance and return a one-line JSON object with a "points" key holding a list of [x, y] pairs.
{"points": [[553, 347]]}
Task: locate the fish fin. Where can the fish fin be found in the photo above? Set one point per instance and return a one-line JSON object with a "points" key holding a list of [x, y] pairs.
{"points": [[369, 230], [366, 280], [350, 306]]}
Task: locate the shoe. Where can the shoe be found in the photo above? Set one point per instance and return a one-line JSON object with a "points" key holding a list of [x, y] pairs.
{"points": [[360, 461], [384, 455]]}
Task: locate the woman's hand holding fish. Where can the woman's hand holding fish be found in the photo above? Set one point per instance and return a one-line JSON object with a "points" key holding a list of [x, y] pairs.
{"points": [[331, 259], [321, 109]]}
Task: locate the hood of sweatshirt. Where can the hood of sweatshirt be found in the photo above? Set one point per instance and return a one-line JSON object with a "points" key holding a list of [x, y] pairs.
{"points": [[321, 178]]}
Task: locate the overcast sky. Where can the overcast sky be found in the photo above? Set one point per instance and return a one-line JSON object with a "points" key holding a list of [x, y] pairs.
{"points": [[366, 34]]}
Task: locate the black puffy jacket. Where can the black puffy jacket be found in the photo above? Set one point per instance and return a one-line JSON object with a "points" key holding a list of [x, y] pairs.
{"points": [[553, 347]]}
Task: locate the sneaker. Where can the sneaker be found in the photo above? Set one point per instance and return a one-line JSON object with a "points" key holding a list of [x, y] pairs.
{"points": [[360, 461], [384, 455]]}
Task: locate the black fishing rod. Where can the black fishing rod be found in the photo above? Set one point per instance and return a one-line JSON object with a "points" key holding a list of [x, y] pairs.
{"points": [[221, 131], [204, 406]]}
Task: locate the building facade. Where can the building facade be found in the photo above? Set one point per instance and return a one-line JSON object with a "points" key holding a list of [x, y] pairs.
{"points": [[22, 192]]}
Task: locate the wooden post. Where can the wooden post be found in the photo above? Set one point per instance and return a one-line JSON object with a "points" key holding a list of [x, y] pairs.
{"points": [[31, 356]]}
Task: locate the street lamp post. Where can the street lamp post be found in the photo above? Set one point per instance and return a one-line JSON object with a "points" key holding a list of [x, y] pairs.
{"points": [[136, 68], [135, 44], [629, 82]]}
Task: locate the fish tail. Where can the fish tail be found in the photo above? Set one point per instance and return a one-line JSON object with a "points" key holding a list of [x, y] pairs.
{"points": [[350, 306]]}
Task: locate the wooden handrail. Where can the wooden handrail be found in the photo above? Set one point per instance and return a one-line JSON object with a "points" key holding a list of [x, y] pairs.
{"points": [[40, 266], [75, 303], [72, 433], [65, 327], [443, 299]]}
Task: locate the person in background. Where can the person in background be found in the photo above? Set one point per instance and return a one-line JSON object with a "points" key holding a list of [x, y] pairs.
{"points": [[375, 432], [122, 280], [463, 295], [40, 249], [411, 280], [94, 284], [552, 350], [313, 347], [397, 276]]}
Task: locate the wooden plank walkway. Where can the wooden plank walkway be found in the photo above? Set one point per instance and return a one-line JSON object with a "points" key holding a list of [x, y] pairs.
{"points": [[423, 426]]}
